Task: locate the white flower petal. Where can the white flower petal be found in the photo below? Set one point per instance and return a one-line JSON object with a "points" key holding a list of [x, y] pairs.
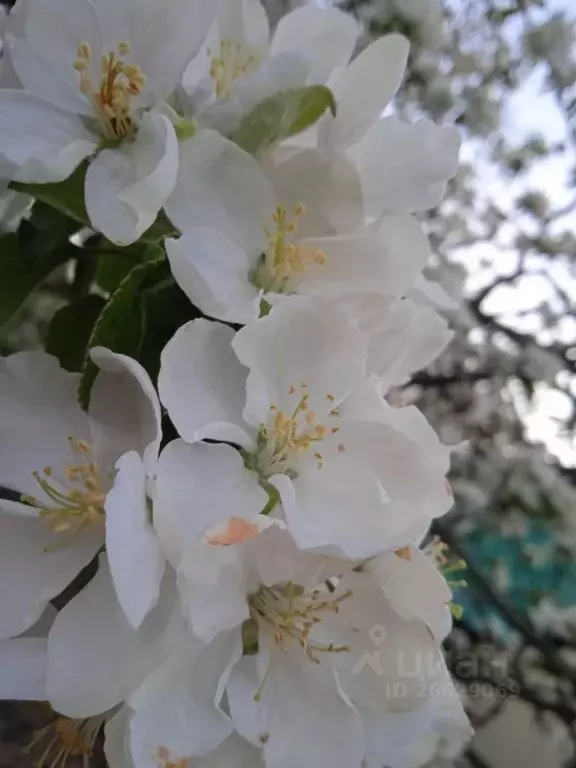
{"points": [[405, 167], [136, 563], [249, 716], [450, 720], [212, 589], [390, 658], [410, 472], [30, 576], [23, 665], [179, 30], [43, 42], [317, 506], [244, 21], [38, 413], [235, 752], [434, 295], [203, 484], [300, 341], [439, 728], [409, 339], [390, 738], [282, 73], [125, 410], [222, 187], [363, 91], [214, 273], [309, 720], [41, 141], [382, 259], [415, 588], [202, 384], [177, 709], [406, 250], [126, 187], [324, 38], [218, 573], [327, 185], [95, 658]]}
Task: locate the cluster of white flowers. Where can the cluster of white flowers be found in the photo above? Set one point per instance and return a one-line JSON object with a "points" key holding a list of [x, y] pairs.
{"points": [[261, 597]]}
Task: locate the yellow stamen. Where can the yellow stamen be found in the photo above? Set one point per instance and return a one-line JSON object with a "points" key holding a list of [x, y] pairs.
{"points": [[293, 612], [284, 259], [289, 436], [231, 62], [111, 98], [74, 502], [66, 739]]}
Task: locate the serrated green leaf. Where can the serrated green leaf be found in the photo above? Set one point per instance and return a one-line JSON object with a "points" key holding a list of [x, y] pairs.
{"points": [[70, 331], [165, 310], [120, 327], [23, 270], [283, 115], [115, 264]]}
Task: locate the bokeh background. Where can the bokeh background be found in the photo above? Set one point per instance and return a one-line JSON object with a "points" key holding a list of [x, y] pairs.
{"points": [[504, 273]]}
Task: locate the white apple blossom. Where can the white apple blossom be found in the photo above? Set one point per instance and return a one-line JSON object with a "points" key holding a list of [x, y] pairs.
{"points": [[93, 75], [256, 236], [335, 643], [293, 637], [239, 65], [63, 462], [403, 167], [312, 430]]}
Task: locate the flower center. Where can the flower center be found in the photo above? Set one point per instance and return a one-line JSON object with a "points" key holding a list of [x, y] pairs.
{"points": [[293, 612], [231, 62], [66, 739], [288, 436], [77, 499], [284, 259], [112, 96]]}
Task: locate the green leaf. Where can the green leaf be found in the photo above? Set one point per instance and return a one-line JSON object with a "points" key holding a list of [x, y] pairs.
{"points": [[23, 270], [70, 331], [283, 115], [120, 327], [165, 310], [67, 197], [115, 264]]}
